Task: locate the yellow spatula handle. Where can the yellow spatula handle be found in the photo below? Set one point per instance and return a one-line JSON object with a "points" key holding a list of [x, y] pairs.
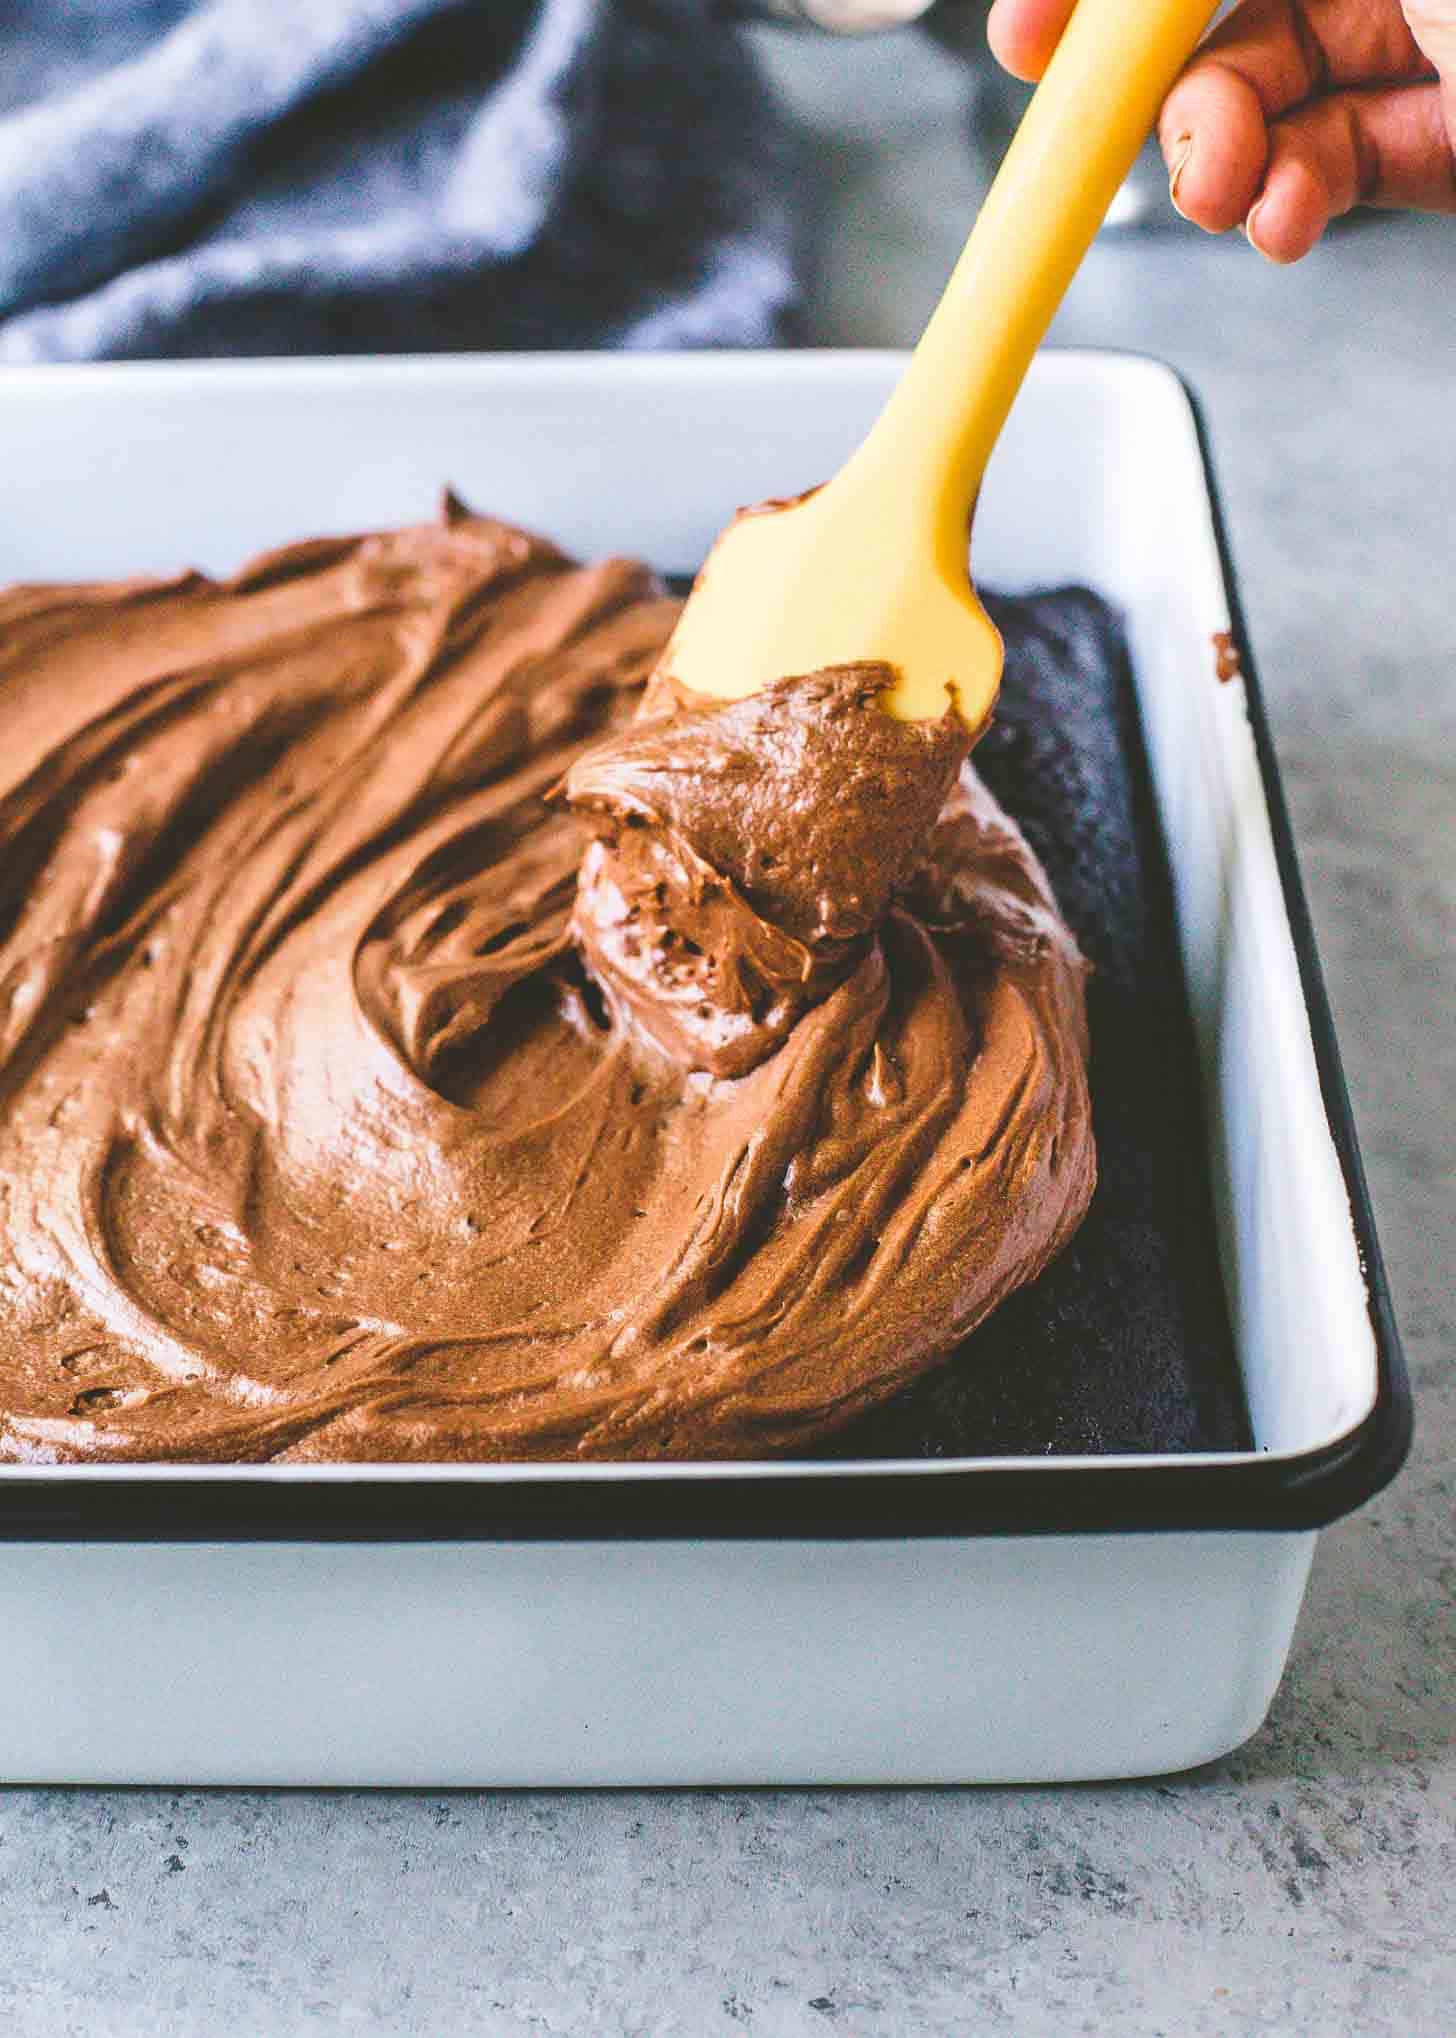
{"points": [[1078, 140]]}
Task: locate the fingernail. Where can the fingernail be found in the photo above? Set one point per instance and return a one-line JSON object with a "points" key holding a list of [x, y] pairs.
{"points": [[1251, 225], [1182, 150]]}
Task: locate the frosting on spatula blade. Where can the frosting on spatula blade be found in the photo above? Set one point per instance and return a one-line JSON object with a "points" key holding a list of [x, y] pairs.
{"points": [[799, 587]]}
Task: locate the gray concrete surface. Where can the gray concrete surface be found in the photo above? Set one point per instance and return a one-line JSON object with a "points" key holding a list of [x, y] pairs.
{"points": [[1305, 1885]]}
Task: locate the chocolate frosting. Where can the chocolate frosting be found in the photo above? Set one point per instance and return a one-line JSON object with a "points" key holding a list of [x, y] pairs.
{"points": [[420, 1038]]}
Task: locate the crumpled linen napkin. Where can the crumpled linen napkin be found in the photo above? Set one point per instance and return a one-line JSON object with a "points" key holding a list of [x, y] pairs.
{"points": [[196, 177]]}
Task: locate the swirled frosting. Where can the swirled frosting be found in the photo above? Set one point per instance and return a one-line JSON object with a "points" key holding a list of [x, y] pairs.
{"points": [[422, 1039]]}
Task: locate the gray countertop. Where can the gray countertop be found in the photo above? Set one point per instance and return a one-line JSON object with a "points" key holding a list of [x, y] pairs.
{"points": [[1302, 1886]]}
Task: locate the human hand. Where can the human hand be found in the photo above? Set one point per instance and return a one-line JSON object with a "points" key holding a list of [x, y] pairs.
{"points": [[1293, 111]]}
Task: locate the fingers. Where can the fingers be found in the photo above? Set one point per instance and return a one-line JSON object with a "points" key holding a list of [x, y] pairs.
{"points": [[1387, 147], [1023, 33], [1257, 90], [1291, 50], [1215, 140], [1433, 25], [1292, 112], [1285, 49]]}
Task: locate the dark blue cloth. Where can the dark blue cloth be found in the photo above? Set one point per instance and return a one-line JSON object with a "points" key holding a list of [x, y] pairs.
{"points": [[269, 176]]}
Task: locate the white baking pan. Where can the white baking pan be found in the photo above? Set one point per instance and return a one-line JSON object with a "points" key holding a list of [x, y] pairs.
{"points": [[852, 1622]]}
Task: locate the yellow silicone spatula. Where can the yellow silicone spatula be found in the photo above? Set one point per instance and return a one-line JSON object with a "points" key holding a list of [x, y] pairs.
{"points": [[873, 566]]}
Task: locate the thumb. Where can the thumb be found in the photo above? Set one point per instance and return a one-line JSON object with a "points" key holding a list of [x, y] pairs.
{"points": [[1433, 24]]}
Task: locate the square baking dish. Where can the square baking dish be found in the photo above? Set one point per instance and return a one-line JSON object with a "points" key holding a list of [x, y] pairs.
{"points": [[877, 1621]]}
